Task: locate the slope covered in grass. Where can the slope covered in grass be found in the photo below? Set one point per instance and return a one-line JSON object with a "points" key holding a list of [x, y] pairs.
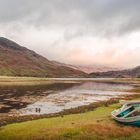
{"points": [[16, 60]]}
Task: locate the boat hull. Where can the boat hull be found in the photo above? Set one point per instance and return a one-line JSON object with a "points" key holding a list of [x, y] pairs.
{"points": [[128, 121], [134, 123], [128, 114]]}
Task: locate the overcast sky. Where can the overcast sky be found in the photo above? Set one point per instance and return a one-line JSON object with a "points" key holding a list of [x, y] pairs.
{"points": [[83, 32]]}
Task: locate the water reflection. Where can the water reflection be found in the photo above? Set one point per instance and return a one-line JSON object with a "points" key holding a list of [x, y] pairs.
{"points": [[77, 95], [16, 97]]}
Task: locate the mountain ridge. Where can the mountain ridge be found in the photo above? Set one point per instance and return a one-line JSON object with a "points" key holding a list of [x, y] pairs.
{"points": [[89, 68], [16, 60], [127, 73]]}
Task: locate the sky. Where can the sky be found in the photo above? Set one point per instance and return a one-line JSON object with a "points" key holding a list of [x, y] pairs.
{"points": [[79, 32]]}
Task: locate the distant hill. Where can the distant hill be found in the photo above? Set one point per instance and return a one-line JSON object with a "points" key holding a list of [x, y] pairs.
{"points": [[134, 72], [89, 69], [16, 60], [94, 68]]}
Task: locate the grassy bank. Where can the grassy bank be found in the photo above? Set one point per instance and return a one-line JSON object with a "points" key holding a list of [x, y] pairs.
{"points": [[5, 119], [92, 125], [25, 81], [7, 80]]}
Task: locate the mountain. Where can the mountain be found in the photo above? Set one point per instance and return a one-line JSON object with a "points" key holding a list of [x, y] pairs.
{"points": [[94, 68], [89, 69], [16, 60], [134, 72]]}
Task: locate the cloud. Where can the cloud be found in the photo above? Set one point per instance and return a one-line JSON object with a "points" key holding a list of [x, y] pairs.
{"points": [[75, 31], [107, 17]]}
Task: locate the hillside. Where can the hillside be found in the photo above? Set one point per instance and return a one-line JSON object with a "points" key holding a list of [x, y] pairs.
{"points": [[16, 60], [89, 68], [134, 72], [94, 68]]}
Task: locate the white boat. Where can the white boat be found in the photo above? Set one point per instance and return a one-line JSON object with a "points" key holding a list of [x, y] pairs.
{"points": [[129, 113]]}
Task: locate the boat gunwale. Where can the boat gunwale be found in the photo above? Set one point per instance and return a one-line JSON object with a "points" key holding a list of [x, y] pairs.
{"points": [[129, 119]]}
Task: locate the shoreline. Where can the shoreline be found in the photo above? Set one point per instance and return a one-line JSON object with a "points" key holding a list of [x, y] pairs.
{"points": [[5, 119], [24, 81]]}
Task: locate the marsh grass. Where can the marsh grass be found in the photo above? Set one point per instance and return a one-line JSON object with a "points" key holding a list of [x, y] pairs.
{"points": [[15, 80], [4, 120], [92, 125]]}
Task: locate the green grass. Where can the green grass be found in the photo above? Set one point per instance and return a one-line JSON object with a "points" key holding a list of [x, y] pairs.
{"points": [[27, 81], [23, 81], [92, 125], [16, 80]]}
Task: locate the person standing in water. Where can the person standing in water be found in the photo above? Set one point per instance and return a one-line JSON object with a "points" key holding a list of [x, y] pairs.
{"points": [[38, 110]]}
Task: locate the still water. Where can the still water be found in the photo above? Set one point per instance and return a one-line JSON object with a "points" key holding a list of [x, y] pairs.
{"points": [[76, 95]]}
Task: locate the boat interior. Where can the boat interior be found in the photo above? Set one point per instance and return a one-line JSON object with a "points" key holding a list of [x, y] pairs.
{"points": [[131, 109]]}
